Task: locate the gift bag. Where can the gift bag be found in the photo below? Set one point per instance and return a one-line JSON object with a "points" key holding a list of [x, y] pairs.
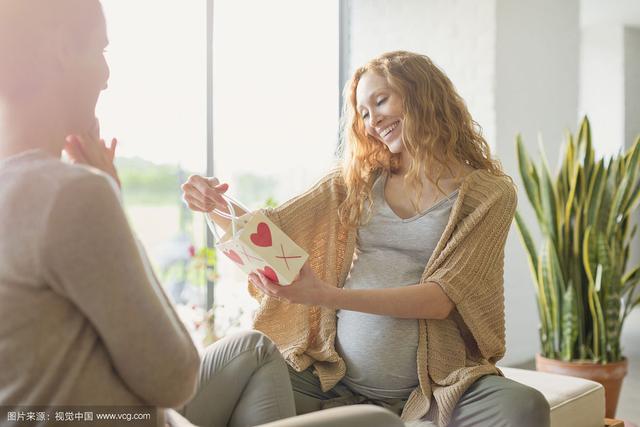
{"points": [[254, 243]]}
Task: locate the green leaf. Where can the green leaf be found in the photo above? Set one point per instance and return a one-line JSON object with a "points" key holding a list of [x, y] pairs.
{"points": [[633, 199], [589, 254], [604, 258], [632, 160], [630, 281], [632, 163], [632, 276], [549, 200], [547, 278], [526, 239], [594, 199], [557, 275], [601, 340], [615, 212], [606, 198], [569, 323], [546, 307], [529, 176]]}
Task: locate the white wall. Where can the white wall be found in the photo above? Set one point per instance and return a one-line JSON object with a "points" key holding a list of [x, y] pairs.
{"points": [[536, 95], [613, 12], [602, 85], [611, 87], [458, 35], [632, 83], [632, 121], [516, 65], [610, 84]]}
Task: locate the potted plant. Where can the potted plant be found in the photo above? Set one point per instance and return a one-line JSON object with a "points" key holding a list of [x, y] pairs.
{"points": [[584, 291]]}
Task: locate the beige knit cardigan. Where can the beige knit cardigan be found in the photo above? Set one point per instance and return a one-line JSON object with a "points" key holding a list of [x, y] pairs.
{"points": [[467, 263]]}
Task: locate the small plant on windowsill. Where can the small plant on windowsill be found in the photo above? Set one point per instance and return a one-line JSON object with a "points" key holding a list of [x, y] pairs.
{"points": [[187, 276], [200, 269], [270, 203]]}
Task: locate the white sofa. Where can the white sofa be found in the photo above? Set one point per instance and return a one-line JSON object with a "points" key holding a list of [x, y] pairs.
{"points": [[574, 402]]}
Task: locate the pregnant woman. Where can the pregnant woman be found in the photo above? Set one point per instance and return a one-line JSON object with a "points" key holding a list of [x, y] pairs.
{"points": [[401, 301]]}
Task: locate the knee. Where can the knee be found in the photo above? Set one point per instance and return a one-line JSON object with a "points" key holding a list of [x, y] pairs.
{"points": [[265, 348], [251, 339], [355, 415], [252, 342], [527, 407]]}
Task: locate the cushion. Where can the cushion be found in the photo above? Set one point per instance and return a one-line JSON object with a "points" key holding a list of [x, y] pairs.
{"points": [[573, 401]]}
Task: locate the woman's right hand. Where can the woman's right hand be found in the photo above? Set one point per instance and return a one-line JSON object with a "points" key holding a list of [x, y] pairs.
{"points": [[91, 151], [202, 194]]}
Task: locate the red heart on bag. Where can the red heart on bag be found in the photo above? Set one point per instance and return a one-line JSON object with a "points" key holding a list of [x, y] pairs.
{"points": [[262, 237], [233, 256], [269, 274]]}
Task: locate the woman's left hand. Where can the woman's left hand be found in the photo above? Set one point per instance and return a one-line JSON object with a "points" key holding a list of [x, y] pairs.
{"points": [[306, 289], [92, 151]]}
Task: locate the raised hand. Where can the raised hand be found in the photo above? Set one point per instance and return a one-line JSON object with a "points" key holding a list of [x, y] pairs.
{"points": [[204, 194], [90, 150]]}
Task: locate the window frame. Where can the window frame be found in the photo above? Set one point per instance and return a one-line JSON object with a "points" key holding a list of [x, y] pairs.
{"points": [[343, 27]]}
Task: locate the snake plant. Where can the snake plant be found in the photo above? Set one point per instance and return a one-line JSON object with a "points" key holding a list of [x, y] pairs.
{"points": [[583, 289]]}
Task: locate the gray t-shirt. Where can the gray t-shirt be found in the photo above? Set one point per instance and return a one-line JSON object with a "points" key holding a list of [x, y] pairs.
{"points": [[381, 351]]}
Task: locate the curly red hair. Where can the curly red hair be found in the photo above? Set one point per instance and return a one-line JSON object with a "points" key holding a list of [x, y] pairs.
{"points": [[438, 132]]}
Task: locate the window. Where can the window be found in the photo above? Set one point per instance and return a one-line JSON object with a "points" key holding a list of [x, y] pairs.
{"points": [[275, 121], [276, 102], [156, 106]]}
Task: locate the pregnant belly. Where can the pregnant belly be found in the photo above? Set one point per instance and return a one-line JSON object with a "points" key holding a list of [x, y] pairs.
{"points": [[380, 353]]}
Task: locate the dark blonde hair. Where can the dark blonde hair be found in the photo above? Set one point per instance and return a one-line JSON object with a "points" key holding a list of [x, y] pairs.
{"points": [[437, 131]]}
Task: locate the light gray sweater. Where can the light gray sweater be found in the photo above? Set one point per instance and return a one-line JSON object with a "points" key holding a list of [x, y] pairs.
{"points": [[83, 319]]}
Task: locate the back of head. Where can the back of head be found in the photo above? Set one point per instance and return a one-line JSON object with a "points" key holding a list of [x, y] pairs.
{"points": [[30, 36]]}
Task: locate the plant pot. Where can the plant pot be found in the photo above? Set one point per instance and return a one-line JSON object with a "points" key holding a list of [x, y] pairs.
{"points": [[610, 375]]}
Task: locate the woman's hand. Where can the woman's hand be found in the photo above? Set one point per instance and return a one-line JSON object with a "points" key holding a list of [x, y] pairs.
{"points": [[204, 194], [92, 151], [306, 289]]}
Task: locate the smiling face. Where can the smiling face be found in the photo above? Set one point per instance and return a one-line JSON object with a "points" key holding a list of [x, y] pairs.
{"points": [[433, 132], [381, 110]]}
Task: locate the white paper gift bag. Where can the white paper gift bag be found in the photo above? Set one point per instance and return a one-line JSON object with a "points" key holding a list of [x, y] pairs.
{"points": [[254, 243]]}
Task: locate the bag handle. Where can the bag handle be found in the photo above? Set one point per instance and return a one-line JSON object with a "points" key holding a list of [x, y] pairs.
{"points": [[230, 216]]}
